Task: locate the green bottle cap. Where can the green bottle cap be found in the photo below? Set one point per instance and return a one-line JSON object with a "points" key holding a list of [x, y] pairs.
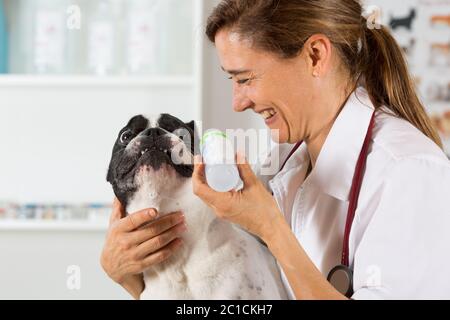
{"points": [[211, 133]]}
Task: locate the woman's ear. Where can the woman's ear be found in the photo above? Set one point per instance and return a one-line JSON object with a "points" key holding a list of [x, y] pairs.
{"points": [[318, 51]]}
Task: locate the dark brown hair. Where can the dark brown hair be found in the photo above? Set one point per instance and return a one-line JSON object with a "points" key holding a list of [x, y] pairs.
{"points": [[283, 26]]}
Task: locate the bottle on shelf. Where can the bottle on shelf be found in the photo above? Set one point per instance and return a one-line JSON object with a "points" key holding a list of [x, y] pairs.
{"points": [[27, 211], [103, 38], [98, 212], [143, 36], [49, 36], [62, 212], [3, 40], [7, 209]]}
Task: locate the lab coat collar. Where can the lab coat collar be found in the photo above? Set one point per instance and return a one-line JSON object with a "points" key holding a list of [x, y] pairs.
{"points": [[335, 165]]}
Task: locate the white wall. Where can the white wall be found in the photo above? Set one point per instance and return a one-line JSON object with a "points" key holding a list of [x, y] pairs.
{"points": [[57, 141], [217, 108]]}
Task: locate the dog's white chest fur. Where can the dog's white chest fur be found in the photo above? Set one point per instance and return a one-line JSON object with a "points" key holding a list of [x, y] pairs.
{"points": [[217, 261]]}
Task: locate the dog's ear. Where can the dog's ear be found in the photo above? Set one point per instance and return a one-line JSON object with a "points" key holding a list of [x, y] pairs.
{"points": [[191, 125], [196, 138]]}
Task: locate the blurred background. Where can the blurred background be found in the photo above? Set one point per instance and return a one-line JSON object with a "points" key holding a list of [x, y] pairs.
{"points": [[73, 73]]}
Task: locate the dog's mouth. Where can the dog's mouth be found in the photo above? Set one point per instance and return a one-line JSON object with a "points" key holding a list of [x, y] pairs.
{"points": [[145, 158], [148, 150], [153, 157]]}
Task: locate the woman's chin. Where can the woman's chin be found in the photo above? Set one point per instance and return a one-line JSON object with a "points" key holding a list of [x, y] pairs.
{"points": [[278, 135]]}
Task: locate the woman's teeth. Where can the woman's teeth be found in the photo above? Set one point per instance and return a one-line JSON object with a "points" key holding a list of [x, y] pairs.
{"points": [[267, 114]]}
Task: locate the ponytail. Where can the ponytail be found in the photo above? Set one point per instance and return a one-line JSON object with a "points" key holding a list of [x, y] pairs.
{"points": [[388, 81]]}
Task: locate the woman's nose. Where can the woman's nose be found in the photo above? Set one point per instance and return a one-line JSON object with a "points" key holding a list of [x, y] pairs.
{"points": [[240, 100]]}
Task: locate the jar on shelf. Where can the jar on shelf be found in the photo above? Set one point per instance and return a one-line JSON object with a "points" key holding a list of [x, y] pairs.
{"points": [[62, 212], [27, 211], [78, 212], [7, 209], [39, 212], [48, 212], [94, 210]]}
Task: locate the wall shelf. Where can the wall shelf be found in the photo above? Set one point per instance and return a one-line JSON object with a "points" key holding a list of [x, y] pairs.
{"points": [[96, 81], [24, 225]]}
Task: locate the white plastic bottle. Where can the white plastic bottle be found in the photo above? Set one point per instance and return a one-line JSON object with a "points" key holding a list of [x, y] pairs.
{"points": [[218, 155], [49, 36], [142, 36], [102, 53]]}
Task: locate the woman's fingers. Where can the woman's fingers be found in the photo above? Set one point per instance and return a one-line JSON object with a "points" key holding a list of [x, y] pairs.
{"points": [[157, 227], [162, 254], [245, 170], [135, 220], [200, 186], [158, 242]]}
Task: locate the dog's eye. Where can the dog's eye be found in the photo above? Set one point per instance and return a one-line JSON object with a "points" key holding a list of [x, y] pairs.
{"points": [[126, 136]]}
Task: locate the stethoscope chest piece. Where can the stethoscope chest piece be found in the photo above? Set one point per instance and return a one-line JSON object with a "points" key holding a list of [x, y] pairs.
{"points": [[341, 278]]}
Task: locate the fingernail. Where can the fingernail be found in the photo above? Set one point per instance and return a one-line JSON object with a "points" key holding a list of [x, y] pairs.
{"points": [[152, 213]]}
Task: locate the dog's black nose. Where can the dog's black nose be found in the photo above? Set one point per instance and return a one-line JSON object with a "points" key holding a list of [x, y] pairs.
{"points": [[153, 132]]}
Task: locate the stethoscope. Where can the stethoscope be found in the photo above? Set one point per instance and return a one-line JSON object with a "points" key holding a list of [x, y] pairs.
{"points": [[341, 276]]}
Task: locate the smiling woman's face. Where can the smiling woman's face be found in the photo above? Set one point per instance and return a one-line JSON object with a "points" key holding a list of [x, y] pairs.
{"points": [[281, 90]]}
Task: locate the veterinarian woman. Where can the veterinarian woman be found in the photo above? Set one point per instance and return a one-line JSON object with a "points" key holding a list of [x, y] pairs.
{"points": [[344, 90], [361, 207]]}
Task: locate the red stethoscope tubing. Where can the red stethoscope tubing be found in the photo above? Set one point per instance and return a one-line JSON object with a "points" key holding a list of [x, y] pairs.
{"points": [[354, 190]]}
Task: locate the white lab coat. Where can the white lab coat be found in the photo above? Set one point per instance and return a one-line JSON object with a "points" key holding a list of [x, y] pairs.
{"points": [[399, 243]]}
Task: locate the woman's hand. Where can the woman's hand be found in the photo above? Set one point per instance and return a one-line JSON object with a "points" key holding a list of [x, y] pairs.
{"points": [[137, 242], [252, 207]]}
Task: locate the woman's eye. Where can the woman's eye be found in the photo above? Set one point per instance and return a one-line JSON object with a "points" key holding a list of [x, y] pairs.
{"points": [[126, 136], [243, 81]]}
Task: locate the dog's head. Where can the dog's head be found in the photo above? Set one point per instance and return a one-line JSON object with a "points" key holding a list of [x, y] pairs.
{"points": [[152, 150]]}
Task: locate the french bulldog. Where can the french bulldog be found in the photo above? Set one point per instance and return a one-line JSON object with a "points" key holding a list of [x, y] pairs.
{"points": [[151, 167]]}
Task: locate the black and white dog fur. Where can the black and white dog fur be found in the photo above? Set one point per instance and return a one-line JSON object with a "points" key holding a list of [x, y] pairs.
{"points": [[151, 167]]}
